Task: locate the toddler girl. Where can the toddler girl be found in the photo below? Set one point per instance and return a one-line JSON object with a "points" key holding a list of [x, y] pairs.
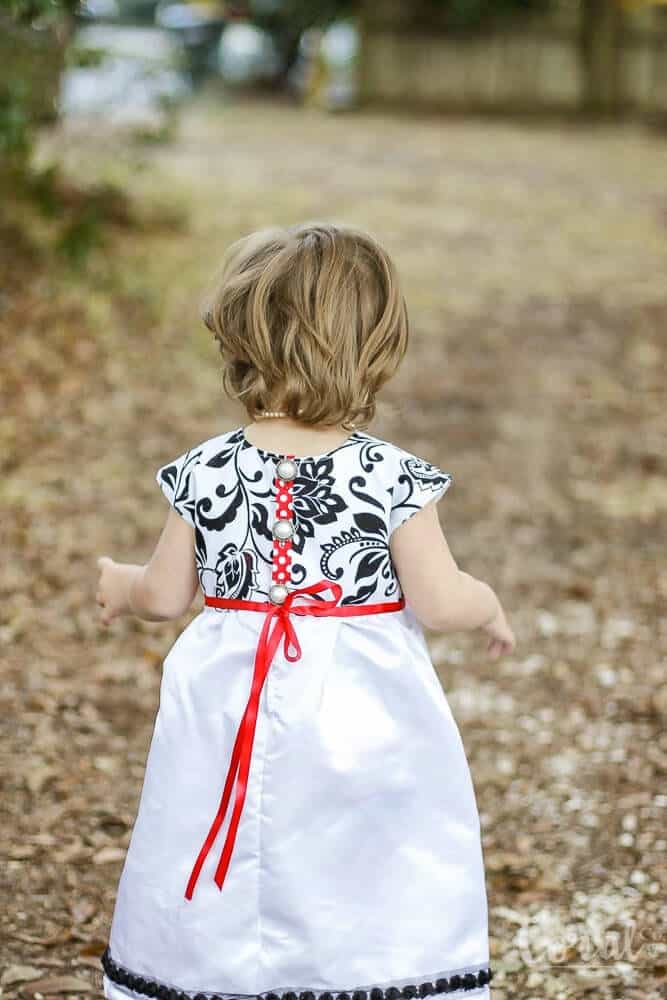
{"points": [[307, 828]]}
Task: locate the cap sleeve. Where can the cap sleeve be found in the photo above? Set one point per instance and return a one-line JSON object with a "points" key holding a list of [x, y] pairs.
{"points": [[177, 481], [417, 483]]}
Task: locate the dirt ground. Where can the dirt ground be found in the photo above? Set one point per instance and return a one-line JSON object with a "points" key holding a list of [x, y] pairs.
{"points": [[534, 261]]}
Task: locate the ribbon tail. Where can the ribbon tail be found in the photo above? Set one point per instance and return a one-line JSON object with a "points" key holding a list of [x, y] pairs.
{"points": [[232, 771], [241, 788], [220, 815]]}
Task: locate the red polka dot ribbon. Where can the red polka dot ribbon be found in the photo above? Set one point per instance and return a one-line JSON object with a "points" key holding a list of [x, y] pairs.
{"points": [[282, 548]]}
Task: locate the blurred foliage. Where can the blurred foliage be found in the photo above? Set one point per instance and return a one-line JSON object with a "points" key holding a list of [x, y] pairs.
{"points": [[303, 13], [475, 13], [457, 13], [79, 218], [85, 56], [33, 54], [31, 11], [33, 35], [14, 125]]}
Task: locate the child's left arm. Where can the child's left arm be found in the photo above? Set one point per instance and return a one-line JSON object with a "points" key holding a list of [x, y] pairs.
{"points": [[162, 589]]}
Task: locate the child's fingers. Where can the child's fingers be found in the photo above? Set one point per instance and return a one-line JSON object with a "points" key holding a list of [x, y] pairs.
{"points": [[106, 616], [498, 647], [101, 565]]}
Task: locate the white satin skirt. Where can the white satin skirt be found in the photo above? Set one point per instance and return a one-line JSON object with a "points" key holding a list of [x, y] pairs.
{"points": [[357, 863]]}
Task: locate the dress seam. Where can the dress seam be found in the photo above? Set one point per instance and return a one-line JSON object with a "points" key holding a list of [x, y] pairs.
{"points": [[266, 717]]}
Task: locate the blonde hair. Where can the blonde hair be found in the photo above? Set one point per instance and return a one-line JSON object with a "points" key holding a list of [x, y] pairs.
{"points": [[310, 320]]}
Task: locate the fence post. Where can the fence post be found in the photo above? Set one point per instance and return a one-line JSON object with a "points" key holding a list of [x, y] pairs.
{"points": [[600, 51]]}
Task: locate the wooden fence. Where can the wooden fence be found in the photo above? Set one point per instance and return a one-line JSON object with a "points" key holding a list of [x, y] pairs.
{"points": [[589, 56]]}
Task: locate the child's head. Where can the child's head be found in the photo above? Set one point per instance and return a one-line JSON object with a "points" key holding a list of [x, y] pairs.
{"points": [[310, 319]]}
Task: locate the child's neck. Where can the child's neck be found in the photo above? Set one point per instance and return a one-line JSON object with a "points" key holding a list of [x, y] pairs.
{"points": [[284, 435]]}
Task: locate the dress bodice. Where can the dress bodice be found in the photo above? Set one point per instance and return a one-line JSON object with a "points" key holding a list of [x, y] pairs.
{"points": [[344, 507]]}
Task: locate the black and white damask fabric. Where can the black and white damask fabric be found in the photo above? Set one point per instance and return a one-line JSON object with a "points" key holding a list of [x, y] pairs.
{"points": [[346, 505]]}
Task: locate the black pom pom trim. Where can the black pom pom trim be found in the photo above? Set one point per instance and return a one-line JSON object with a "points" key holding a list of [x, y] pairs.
{"points": [[153, 988]]}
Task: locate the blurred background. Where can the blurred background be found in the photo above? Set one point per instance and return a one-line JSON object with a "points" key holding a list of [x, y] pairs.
{"points": [[511, 156]]}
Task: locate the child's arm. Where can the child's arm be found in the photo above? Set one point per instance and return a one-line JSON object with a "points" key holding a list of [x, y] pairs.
{"points": [[442, 596], [162, 589]]}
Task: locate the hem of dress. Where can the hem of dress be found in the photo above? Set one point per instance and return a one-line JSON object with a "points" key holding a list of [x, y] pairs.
{"points": [[464, 979]]}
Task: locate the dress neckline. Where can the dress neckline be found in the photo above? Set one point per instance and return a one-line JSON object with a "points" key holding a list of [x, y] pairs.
{"points": [[354, 436]]}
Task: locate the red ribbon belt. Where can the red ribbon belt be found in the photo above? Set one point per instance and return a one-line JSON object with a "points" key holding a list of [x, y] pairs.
{"points": [[277, 625]]}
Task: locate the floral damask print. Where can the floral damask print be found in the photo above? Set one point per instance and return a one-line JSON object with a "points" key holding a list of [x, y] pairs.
{"points": [[364, 549], [235, 573], [426, 475], [313, 499], [345, 506], [176, 481], [240, 497], [418, 478]]}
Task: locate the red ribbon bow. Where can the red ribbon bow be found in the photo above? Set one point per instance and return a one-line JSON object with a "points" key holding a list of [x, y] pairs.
{"points": [[277, 625]]}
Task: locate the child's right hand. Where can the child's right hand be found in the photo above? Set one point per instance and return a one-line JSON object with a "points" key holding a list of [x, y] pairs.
{"points": [[502, 637]]}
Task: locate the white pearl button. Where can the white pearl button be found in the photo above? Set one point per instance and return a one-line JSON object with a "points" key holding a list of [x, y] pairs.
{"points": [[278, 593], [286, 469], [282, 529]]}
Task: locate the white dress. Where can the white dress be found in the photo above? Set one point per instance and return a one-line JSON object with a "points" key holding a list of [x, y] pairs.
{"points": [[357, 870]]}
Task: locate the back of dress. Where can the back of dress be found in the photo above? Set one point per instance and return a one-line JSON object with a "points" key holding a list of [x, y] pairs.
{"points": [[305, 760]]}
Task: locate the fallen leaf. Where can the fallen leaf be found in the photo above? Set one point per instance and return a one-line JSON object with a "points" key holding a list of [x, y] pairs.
{"points": [[82, 910], [38, 777], [94, 948], [108, 854], [90, 961], [19, 974], [21, 852], [62, 984], [58, 938]]}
